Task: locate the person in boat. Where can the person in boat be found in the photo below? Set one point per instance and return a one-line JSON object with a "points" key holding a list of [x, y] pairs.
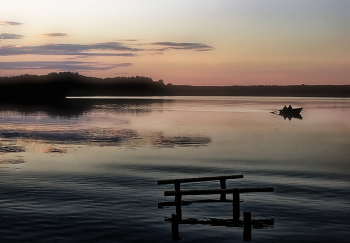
{"points": [[285, 108], [290, 108]]}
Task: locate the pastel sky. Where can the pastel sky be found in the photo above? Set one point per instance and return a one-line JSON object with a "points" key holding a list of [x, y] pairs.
{"points": [[196, 42]]}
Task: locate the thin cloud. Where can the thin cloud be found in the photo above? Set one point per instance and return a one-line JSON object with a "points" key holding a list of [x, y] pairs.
{"points": [[95, 49], [54, 35], [10, 23], [9, 36], [130, 40], [60, 65], [182, 46], [70, 49]]}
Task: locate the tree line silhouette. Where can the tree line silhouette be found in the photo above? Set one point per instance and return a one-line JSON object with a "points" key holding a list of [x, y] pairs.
{"points": [[55, 87]]}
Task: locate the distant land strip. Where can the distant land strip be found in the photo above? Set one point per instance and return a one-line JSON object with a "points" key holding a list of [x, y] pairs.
{"points": [[55, 87]]}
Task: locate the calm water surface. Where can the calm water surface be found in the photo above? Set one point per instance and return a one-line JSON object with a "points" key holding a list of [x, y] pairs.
{"points": [[87, 172]]}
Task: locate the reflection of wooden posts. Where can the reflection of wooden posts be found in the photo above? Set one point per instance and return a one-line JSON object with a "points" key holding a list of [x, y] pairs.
{"points": [[175, 227], [178, 200], [223, 186], [235, 205], [247, 230], [234, 191]]}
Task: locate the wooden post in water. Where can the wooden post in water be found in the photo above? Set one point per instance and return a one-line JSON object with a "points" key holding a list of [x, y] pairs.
{"points": [[177, 186], [175, 227], [223, 186], [236, 209], [247, 230], [178, 201]]}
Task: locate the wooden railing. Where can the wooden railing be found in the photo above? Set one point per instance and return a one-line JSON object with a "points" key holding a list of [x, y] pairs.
{"points": [[178, 193], [222, 180]]}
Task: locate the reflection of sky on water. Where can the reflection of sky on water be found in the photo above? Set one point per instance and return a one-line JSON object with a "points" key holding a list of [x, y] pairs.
{"points": [[99, 136], [161, 141], [12, 161], [130, 109], [94, 136], [56, 150], [61, 174], [234, 128], [105, 125], [11, 149]]}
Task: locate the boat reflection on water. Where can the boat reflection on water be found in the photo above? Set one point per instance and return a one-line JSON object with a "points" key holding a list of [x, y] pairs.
{"points": [[290, 116]]}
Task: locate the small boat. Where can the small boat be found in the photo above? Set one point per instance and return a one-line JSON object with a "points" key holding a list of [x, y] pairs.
{"points": [[293, 111], [289, 113]]}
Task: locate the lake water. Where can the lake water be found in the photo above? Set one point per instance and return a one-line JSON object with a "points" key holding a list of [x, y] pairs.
{"points": [[88, 171]]}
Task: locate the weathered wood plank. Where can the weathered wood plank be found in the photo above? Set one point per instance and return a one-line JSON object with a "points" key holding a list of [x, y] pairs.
{"points": [[218, 191], [211, 178]]}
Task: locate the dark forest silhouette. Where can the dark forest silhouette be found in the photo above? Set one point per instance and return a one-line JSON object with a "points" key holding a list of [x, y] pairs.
{"points": [[55, 87]]}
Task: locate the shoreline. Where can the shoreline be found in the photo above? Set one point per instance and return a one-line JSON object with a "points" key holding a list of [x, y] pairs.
{"points": [[55, 87]]}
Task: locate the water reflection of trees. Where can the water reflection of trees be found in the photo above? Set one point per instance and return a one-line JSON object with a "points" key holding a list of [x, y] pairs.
{"points": [[100, 137], [56, 137], [126, 109], [80, 106], [91, 136], [56, 150], [11, 161], [10, 149], [96, 136], [163, 141]]}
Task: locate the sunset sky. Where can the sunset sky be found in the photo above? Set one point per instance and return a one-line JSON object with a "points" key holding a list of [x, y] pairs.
{"points": [[204, 42]]}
